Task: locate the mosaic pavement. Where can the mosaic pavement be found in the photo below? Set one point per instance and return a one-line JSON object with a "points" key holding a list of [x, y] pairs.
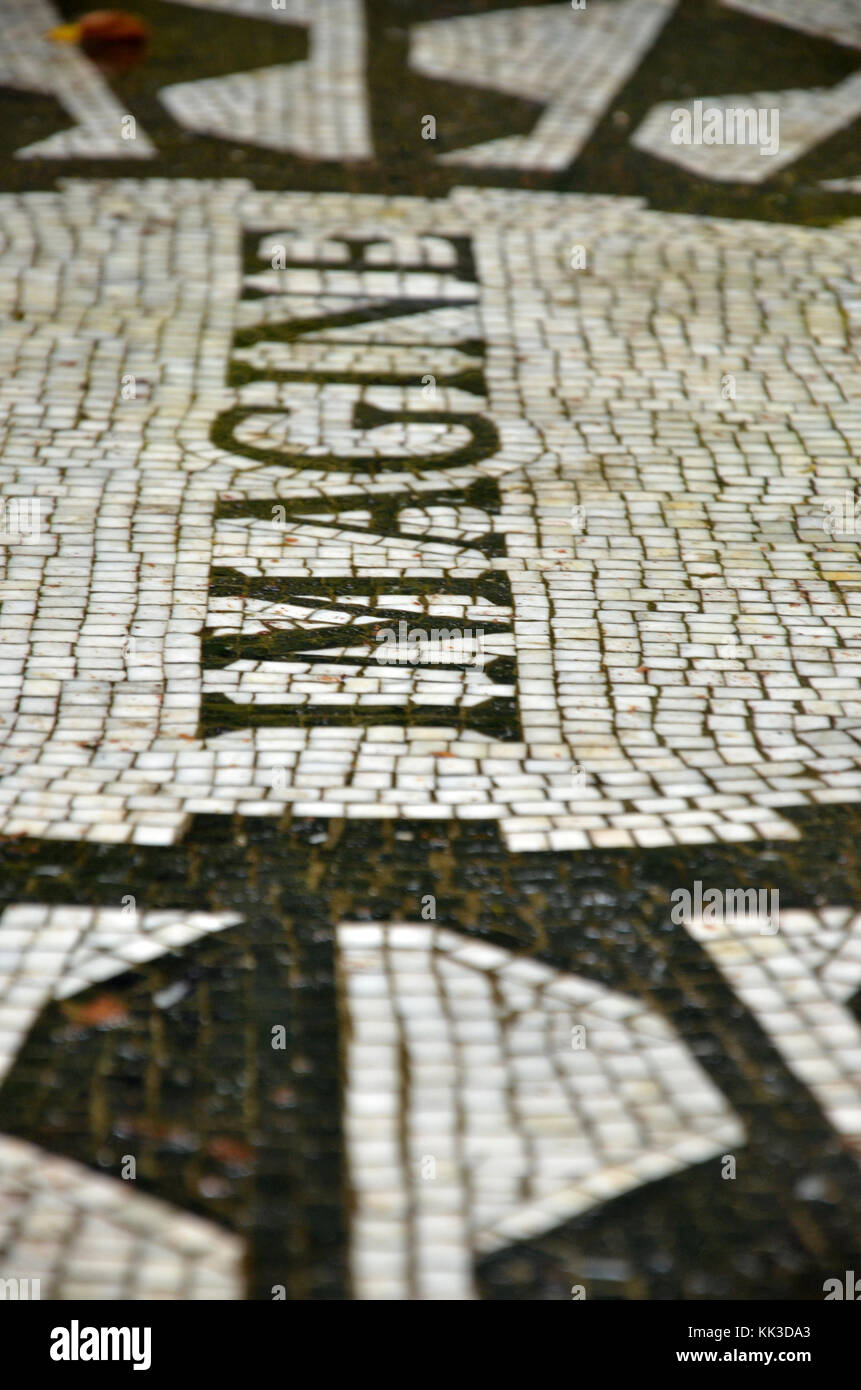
{"points": [[429, 557]]}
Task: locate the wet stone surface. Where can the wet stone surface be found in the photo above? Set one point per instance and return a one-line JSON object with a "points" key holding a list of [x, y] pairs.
{"points": [[429, 649]]}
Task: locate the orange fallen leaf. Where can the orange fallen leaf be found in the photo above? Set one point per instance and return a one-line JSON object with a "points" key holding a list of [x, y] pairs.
{"points": [[102, 27], [105, 1011], [227, 1150]]}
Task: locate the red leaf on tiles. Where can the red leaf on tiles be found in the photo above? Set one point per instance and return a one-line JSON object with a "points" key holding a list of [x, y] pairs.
{"points": [[105, 1011]]}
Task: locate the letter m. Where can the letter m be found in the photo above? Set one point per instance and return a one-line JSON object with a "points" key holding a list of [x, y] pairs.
{"points": [[19, 1289], [743, 122], [116, 1343], [336, 627], [740, 903]]}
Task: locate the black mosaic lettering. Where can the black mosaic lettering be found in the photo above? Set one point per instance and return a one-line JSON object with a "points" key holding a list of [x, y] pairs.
{"points": [[484, 440]]}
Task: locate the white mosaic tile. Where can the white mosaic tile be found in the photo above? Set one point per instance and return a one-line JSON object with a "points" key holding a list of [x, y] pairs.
{"points": [[684, 627], [31, 62], [805, 118], [84, 1236], [317, 108], [80, 1234], [796, 983], [574, 60], [473, 1120], [841, 185], [839, 20]]}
